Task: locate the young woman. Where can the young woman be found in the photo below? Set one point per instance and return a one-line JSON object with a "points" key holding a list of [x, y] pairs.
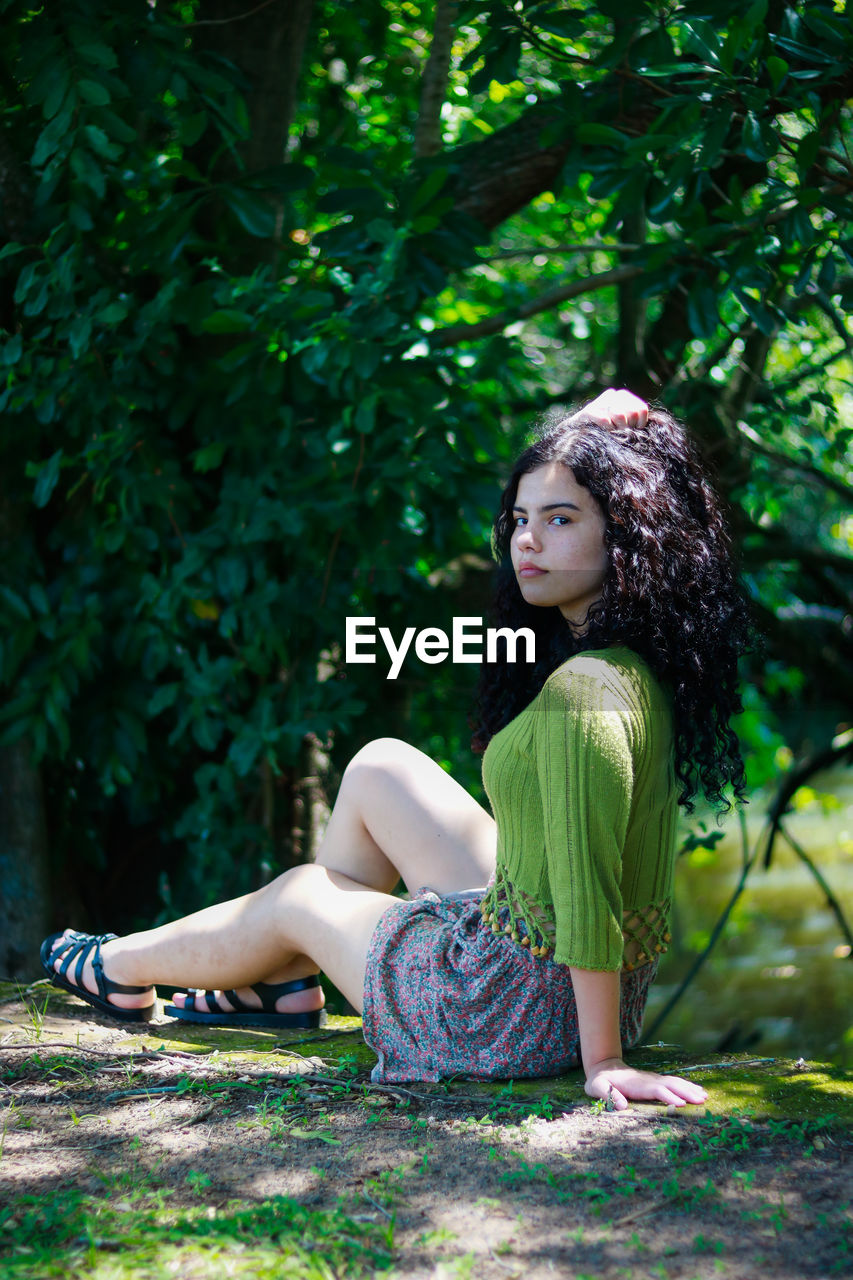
{"points": [[533, 936]]}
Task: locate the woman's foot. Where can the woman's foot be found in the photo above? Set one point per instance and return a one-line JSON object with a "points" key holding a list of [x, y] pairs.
{"points": [[92, 967], [286, 1002], [304, 1001]]}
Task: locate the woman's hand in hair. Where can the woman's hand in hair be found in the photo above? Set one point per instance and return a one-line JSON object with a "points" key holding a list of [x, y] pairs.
{"points": [[619, 407], [618, 1084]]}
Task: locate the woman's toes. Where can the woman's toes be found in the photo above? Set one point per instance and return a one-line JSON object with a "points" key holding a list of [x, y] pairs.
{"points": [[182, 998], [113, 971]]}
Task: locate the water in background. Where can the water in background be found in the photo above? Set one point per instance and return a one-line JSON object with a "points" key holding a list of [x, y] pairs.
{"points": [[780, 979]]}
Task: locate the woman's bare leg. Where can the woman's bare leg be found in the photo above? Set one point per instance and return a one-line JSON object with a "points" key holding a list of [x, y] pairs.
{"points": [[398, 814], [306, 918]]}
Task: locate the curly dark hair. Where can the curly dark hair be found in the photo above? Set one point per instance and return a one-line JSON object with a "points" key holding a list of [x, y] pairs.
{"points": [[672, 592]]}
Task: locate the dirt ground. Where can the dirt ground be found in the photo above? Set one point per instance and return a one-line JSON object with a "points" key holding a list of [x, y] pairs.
{"points": [[238, 1151]]}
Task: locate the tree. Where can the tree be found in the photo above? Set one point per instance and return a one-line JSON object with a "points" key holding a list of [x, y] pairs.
{"points": [[274, 313]]}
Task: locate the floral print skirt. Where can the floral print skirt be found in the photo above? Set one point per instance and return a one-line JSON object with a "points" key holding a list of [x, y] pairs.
{"points": [[445, 996]]}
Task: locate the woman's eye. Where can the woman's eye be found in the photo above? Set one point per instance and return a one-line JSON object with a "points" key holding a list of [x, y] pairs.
{"points": [[520, 522], [561, 520]]}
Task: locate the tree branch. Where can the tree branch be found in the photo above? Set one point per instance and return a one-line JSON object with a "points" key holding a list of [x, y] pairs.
{"points": [[534, 250], [493, 324], [831, 900], [436, 72], [839, 750], [824, 478], [498, 175], [776, 546]]}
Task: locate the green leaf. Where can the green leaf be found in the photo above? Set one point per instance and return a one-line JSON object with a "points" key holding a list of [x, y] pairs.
{"points": [[94, 92], [192, 128], [210, 456], [558, 22], [15, 603], [245, 750], [382, 230], [165, 696], [51, 137], [112, 314], [100, 143], [353, 199], [90, 48], [281, 177], [777, 69], [56, 94], [79, 335], [703, 39], [365, 414], [365, 357], [805, 52], [600, 134], [11, 351], [38, 599], [758, 313], [47, 475], [116, 127], [751, 140], [672, 70], [83, 166], [702, 311], [226, 320], [255, 214], [429, 188], [20, 706], [807, 150], [846, 292], [80, 217]]}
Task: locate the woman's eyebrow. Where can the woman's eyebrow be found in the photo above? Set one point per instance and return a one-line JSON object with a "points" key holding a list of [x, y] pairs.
{"points": [[551, 506]]}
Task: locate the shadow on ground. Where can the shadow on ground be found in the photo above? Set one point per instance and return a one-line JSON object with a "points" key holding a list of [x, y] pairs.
{"points": [[199, 1151]]}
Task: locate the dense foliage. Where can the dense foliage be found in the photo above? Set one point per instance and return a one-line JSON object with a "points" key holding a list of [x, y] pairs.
{"points": [[264, 367]]}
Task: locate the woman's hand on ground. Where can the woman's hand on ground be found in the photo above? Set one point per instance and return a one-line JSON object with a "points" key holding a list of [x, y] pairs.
{"points": [[622, 408], [617, 1083]]}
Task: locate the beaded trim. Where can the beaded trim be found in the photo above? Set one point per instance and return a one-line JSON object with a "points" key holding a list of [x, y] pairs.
{"points": [[646, 934], [519, 918]]}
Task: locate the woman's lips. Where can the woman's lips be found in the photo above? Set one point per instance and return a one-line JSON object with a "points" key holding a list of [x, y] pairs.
{"points": [[530, 571]]}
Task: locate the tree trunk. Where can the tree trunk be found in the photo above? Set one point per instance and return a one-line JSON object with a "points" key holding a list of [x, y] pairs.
{"points": [[267, 45], [434, 87], [24, 876]]}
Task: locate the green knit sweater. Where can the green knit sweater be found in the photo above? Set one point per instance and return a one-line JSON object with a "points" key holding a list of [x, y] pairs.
{"points": [[583, 790]]}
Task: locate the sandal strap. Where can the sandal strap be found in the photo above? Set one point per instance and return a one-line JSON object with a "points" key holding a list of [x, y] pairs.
{"points": [[209, 1002], [237, 1004], [269, 992], [82, 945]]}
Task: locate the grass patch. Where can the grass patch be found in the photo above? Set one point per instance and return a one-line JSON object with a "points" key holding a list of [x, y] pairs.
{"points": [[72, 1235]]}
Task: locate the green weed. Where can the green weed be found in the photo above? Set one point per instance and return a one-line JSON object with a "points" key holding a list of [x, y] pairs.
{"points": [[36, 1014], [73, 1236], [507, 1107]]}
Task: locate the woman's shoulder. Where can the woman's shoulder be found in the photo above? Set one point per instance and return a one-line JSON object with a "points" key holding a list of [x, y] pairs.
{"points": [[616, 679], [615, 666]]}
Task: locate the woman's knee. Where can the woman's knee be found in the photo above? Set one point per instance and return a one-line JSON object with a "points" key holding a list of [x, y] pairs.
{"points": [[376, 764]]}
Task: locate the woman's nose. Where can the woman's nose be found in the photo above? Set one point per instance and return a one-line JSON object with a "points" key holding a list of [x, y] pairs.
{"points": [[527, 537]]}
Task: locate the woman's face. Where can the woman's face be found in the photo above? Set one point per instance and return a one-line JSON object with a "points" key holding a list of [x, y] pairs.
{"points": [[557, 546]]}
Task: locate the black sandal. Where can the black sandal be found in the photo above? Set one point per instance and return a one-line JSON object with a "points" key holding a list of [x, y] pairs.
{"points": [[81, 946], [245, 1015]]}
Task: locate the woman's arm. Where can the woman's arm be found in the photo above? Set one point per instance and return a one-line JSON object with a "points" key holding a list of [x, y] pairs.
{"points": [[607, 1076]]}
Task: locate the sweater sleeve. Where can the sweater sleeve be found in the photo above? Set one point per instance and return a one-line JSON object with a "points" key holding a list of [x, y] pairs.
{"points": [[586, 775]]}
